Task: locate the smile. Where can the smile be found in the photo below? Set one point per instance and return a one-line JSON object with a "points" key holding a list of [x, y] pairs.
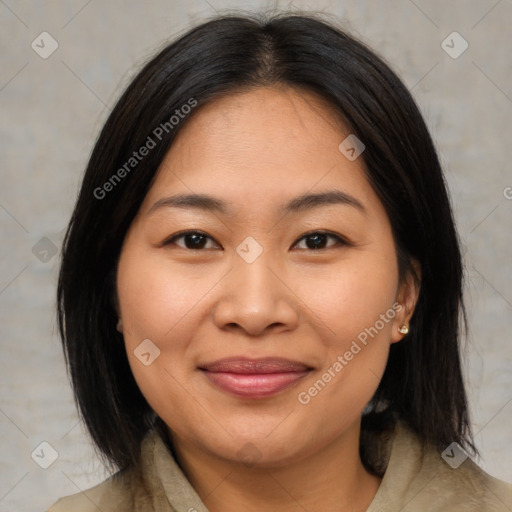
{"points": [[254, 378]]}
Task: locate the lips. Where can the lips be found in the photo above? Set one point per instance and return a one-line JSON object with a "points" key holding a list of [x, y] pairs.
{"points": [[255, 366], [254, 378]]}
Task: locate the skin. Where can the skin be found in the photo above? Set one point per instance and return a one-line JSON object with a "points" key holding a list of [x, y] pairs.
{"points": [[256, 150]]}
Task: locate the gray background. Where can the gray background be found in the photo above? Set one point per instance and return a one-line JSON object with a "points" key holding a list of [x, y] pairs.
{"points": [[52, 109]]}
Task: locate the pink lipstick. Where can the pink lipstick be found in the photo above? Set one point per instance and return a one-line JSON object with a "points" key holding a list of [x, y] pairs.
{"points": [[254, 378]]}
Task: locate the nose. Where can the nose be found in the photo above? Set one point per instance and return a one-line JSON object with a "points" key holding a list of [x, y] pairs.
{"points": [[255, 298]]}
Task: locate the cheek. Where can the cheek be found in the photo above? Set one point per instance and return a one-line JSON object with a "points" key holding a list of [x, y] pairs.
{"points": [[352, 298], [156, 305], [355, 305], [155, 299]]}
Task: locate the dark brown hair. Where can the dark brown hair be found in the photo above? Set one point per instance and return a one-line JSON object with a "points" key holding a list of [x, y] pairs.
{"points": [[422, 384]]}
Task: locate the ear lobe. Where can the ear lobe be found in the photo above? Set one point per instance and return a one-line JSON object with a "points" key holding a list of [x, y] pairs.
{"points": [[407, 297]]}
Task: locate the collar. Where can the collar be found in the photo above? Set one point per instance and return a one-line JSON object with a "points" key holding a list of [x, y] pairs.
{"points": [[414, 478]]}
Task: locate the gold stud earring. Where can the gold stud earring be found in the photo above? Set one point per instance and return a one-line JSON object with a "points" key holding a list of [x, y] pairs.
{"points": [[403, 330]]}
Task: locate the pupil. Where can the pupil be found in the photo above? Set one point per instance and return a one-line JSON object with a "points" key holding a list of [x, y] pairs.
{"points": [[318, 240], [198, 240]]}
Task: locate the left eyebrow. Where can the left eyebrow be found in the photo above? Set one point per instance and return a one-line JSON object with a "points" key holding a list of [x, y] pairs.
{"points": [[308, 201], [300, 203]]}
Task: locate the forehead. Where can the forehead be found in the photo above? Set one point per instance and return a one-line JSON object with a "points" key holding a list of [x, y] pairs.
{"points": [[259, 147]]}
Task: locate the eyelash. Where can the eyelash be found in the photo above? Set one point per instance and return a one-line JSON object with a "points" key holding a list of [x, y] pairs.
{"points": [[340, 240]]}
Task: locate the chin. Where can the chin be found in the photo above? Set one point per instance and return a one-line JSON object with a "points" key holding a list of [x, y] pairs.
{"points": [[255, 450]]}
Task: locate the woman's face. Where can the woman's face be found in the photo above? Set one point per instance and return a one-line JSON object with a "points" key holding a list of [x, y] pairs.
{"points": [[271, 274]]}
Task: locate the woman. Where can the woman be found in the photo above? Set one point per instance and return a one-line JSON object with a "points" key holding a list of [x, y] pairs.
{"points": [[260, 289]]}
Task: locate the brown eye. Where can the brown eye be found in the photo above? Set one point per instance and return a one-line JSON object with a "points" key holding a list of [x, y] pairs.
{"points": [[191, 240], [196, 240], [317, 240]]}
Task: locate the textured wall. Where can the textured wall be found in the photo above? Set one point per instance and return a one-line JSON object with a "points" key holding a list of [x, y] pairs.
{"points": [[52, 108]]}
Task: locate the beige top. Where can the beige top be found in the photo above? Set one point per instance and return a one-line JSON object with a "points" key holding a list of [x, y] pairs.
{"points": [[415, 479]]}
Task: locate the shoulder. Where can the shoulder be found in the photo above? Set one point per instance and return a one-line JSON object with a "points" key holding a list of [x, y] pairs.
{"points": [[449, 480], [111, 494], [123, 491], [466, 486]]}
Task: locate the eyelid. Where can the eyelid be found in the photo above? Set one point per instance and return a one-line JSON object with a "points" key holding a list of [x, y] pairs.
{"points": [[341, 240], [180, 234]]}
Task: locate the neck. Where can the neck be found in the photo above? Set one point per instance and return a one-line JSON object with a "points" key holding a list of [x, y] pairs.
{"points": [[331, 479]]}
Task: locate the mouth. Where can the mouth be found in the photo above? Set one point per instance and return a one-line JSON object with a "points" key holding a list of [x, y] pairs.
{"points": [[254, 378]]}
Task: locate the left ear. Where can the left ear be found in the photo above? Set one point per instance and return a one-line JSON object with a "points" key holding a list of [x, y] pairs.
{"points": [[407, 297]]}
